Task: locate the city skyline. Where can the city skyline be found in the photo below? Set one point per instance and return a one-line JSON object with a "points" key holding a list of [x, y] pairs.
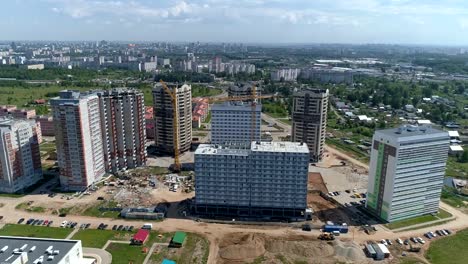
{"points": [[297, 21]]}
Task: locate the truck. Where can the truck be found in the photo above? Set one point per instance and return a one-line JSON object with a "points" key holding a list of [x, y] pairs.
{"points": [[147, 226], [340, 228]]}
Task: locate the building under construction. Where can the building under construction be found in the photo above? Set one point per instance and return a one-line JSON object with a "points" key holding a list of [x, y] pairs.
{"points": [[164, 117], [309, 116], [243, 89]]}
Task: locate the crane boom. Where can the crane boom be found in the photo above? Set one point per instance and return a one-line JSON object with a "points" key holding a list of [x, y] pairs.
{"points": [[175, 124]]}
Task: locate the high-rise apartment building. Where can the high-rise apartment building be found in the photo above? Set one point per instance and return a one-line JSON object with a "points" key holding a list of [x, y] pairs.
{"points": [[20, 158], [231, 122], [406, 172], [164, 117], [260, 179], [242, 89], [309, 120], [78, 138], [123, 128]]}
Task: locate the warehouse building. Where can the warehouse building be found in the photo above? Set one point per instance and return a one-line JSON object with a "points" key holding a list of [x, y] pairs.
{"points": [[258, 180], [406, 172]]}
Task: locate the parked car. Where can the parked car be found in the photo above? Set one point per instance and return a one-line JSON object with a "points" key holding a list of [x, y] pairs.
{"points": [[21, 220], [64, 224], [383, 242], [130, 228], [406, 242], [45, 222], [30, 221], [389, 242], [413, 239], [88, 225], [448, 231], [120, 227], [399, 241], [114, 227], [306, 227], [50, 223]]}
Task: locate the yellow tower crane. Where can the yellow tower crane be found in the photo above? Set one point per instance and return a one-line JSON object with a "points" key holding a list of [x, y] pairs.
{"points": [[175, 125]]}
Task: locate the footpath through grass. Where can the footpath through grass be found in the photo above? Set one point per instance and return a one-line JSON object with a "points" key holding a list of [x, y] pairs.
{"points": [[98, 238], [449, 250], [35, 231], [419, 220]]}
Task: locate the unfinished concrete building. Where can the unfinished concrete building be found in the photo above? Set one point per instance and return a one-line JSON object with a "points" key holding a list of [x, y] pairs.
{"points": [[123, 128], [243, 89], [309, 116], [256, 180], [164, 117]]}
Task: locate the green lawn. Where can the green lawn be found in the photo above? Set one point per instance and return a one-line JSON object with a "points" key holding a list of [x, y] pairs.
{"points": [[24, 206], [456, 169], [97, 238], [94, 210], [124, 254], [448, 196], [11, 195], [194, 250], [34, 231], [418, 220], [449, 250]]}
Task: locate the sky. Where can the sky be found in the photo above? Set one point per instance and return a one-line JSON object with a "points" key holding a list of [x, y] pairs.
{"points": [[438, 22]]}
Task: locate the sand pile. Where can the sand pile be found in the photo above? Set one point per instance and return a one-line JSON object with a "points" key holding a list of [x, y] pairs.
{"points": [[242, 246], [299, 248], [349, 251]]}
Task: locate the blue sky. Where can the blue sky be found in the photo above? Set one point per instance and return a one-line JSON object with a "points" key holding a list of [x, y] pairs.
{"points": [[275, 21]]}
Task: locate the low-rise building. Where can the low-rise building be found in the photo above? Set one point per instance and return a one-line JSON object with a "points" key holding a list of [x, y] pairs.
{"points": [[19, 250]]}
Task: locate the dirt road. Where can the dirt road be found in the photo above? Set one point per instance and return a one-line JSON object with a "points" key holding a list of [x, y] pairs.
{"points": [[215, 232]]}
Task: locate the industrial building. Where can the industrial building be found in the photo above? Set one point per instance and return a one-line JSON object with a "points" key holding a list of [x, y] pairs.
{"points": [[19, 250], [123, 128], [78, 139], [235, 122], [309, 120], [164, 117], [257, 180], [406, 172], [20, 158]]}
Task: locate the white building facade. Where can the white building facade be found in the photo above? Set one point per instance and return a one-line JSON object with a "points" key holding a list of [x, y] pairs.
{"points": [[234, 122], [406, 172], [20, 159], [260, 179], [78, 139]]}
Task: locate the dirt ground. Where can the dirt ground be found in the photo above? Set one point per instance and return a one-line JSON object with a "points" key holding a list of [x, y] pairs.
{"points": [[247, 247]]}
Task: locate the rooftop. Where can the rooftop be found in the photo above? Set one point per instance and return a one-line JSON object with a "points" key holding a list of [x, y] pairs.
{"points": [[407, 131], [244, 150], [34, 248]]}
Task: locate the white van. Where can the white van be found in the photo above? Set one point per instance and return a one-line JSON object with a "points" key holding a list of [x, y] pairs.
{"points": [[147, 226]]}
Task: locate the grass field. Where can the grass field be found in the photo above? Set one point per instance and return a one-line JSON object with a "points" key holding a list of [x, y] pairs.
{"points": [[124, 254], [456, 169], [349, 149], [419, 220], [448, 196], [98, 238], [449, 250], [194, 250], [94, 210], [34, 231]]}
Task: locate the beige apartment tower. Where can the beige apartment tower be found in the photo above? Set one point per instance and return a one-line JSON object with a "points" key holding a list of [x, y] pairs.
{"points": [[309, 116], [164, 117]]}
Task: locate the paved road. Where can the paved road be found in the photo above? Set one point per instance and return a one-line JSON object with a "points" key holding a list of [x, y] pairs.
{"points": [[102, 256]]}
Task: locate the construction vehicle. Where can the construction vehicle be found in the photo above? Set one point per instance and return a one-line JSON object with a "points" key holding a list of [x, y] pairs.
{"points": [[326, 236]]}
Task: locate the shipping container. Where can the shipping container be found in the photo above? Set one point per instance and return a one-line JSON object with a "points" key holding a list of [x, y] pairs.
{"points": [[339, 228]]}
